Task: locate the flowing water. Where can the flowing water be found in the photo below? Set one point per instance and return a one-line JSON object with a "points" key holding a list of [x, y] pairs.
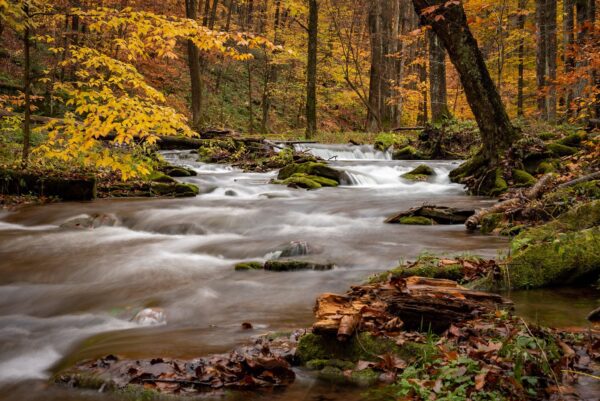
{"points": [[69, 294]]}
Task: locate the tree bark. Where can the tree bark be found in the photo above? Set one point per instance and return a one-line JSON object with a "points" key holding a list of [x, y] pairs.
{"points": [[449, 22], [191, 12], [541, 56], [568, 42], [27, 88], [311, 69], [437, 79], [521, 54], [551, 58]]}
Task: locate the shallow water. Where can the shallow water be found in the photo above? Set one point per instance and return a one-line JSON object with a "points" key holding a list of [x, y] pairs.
{"points": [[66, 295]]}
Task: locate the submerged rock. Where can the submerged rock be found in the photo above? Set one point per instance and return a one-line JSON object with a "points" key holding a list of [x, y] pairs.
{"points": [[295, 248], [91, 221], [429, 214], [246, 266], [150, 317], [312, 169], [421, 173]]}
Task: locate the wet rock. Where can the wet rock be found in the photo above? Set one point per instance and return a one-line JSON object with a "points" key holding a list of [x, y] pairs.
{"points": [[173, 171], [157, 176], [230, 192], [434, 214], [246, 266], [421, 173], [91, 221], [407, 153], [416, 221], [177, 190], [310, 169], [150, 317], [13, 182], [295, 248], [286, 265]]}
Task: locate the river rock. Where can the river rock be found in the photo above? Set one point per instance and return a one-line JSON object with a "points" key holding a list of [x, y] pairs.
{"points": [[421, 173], [150, 317], [434, 214], [310, 168], [286, 265], [295, 248], [91, 221]]}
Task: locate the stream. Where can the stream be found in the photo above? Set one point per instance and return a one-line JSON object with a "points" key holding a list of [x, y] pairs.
{"points": [[70, 294]]}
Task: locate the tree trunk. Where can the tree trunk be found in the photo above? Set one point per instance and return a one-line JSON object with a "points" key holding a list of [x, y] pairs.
{"points": [[27, 88], [191, 12], [521, 54], [311, 69], [551, 58], [384, 31], [497, 132], [541, 56], [437, 79], [568, 42]]}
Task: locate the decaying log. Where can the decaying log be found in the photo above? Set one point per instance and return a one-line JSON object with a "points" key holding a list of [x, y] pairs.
{"points": [[414, 303], [585, 178], [541, 186]]}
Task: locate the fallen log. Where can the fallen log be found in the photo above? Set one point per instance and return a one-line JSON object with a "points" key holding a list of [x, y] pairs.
{"points": [[413, 303], [521, 198]]}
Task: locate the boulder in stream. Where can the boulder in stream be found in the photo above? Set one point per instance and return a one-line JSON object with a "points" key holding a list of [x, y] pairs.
{"points": [[150, 317], [287, 265], [429, 214], [421, 173], [313, 169]]}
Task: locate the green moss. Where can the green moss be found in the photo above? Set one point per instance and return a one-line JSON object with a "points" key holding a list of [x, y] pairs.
{"points": [[173, 171], [386, 140], [407, 153], [416, 221], [157, 176], [500, 184], [300, 180], [522, 178], [325, 182], [364, 346], [364, 378], [310, 168], [547, 136], [545, 167], [573, 140], [245, 266], [564, 251], [560, 150], [174, 189], [318, 364], [421, 173], [490, 222], [284, 265], [430, 267], [468, 168], [184, 190]]}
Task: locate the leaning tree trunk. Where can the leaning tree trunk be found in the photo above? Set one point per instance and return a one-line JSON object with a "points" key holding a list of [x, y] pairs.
{"points": [[449, 22]]}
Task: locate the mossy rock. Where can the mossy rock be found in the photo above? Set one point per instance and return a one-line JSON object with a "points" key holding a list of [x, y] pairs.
{"points": [[563, 251], [421, 173], [286, 265], [416, 221], [522, 178], [310, 168], [173, 171], [363, 346], [364, 378], [178, 190], [158, 176], [429, 266], [545, 167], [299, 180], [490, 222], [561, 150], [407, 153], [572, 258], [573, 140], [246, 266], [547, 136]]}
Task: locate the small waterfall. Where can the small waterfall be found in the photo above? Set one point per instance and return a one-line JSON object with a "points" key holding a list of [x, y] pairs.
{"points": [[343, 152]]}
